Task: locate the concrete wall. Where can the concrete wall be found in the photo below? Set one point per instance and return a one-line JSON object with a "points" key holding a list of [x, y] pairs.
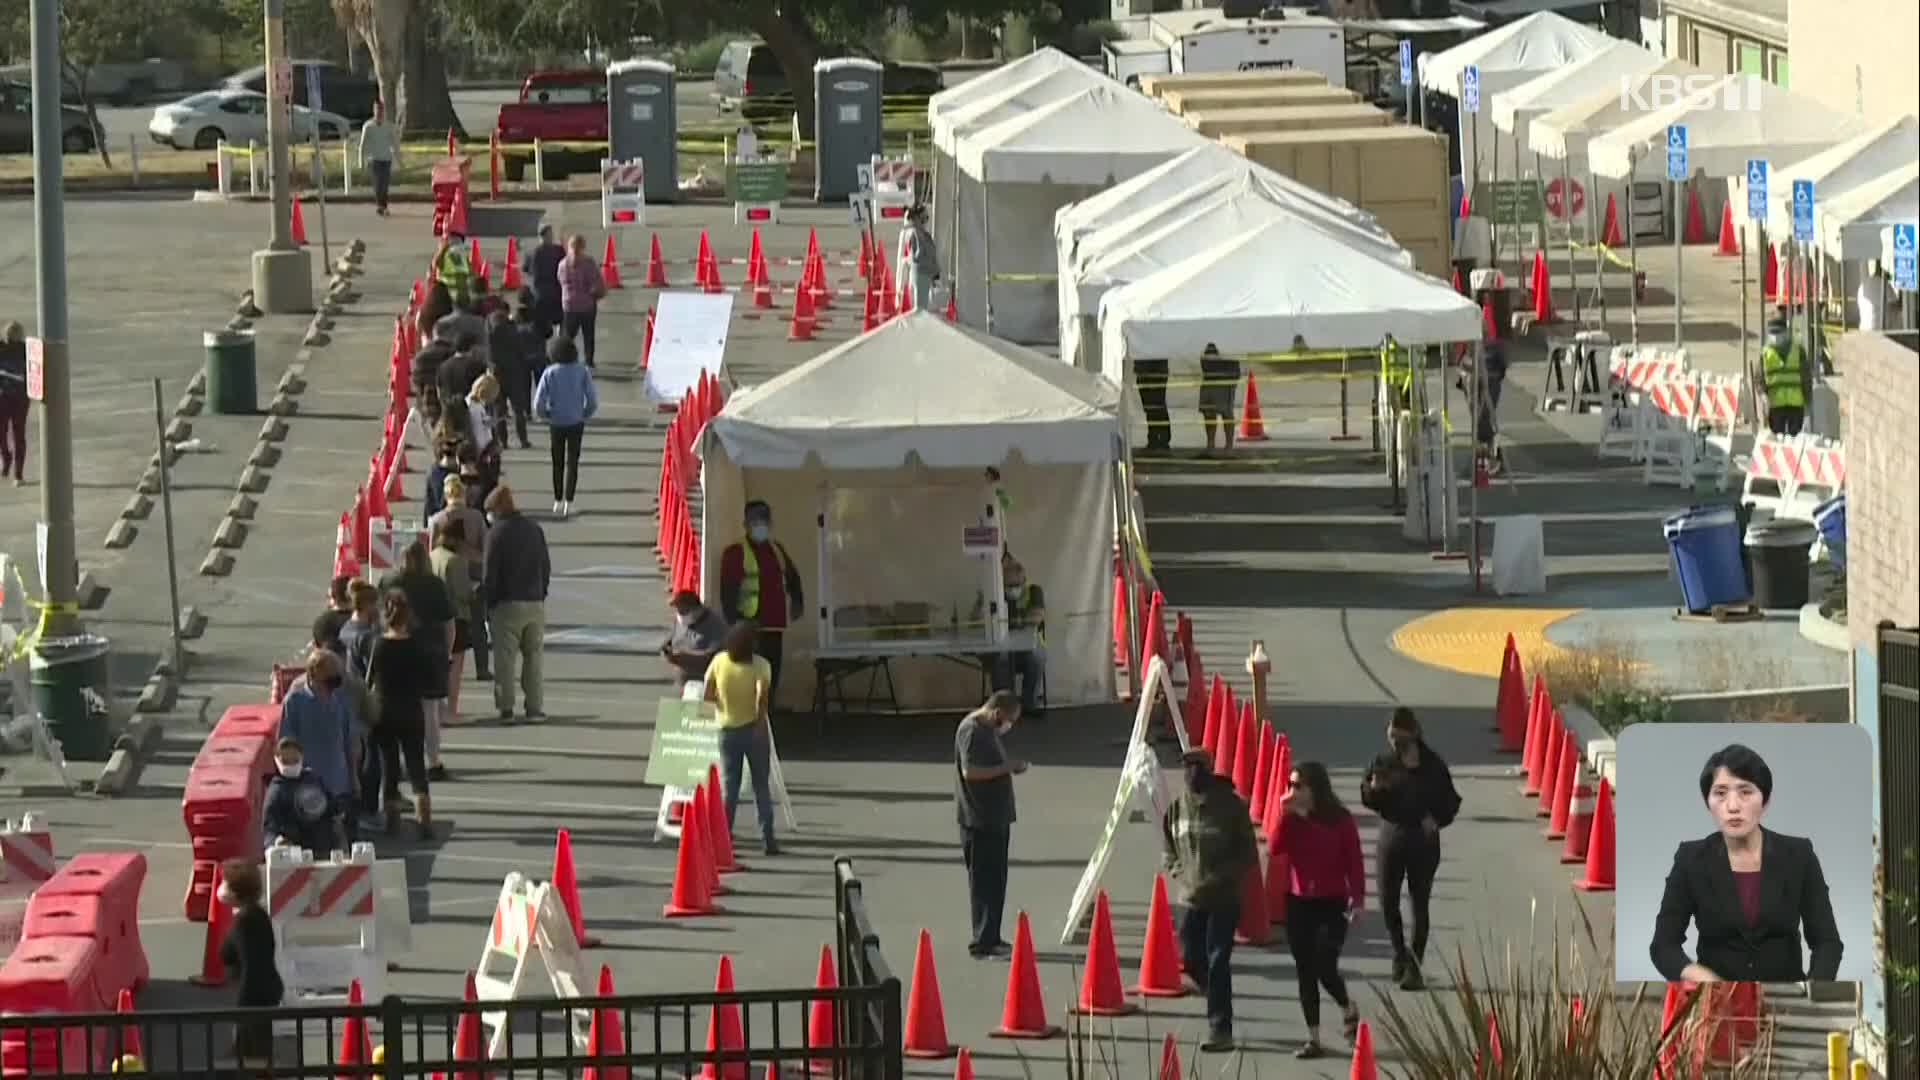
{"points": [[1882, 421], [1857, 56]]}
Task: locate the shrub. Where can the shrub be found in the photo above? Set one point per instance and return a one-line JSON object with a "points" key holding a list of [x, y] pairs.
{"points": [[701, 57]]}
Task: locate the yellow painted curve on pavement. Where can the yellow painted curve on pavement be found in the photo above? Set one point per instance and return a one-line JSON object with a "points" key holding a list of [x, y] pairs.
{"points": [[1472, 640]]}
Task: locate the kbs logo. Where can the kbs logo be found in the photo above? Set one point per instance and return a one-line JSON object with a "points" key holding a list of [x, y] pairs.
{"points": [[1732, 93]]}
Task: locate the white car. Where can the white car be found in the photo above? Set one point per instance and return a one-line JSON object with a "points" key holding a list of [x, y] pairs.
{"points": [[234, 116]]}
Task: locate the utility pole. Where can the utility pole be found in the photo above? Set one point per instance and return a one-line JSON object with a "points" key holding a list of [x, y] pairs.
{"points": [[283, 271]]}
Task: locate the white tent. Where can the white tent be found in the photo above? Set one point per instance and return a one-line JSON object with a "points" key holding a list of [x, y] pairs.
{"points": [[1505, 58], [1282, 278], [1564, 132], [1859, 224], [873, 458], [1860, 160], [1736, 119], [1161, 235], [1016, 174], [993, 82], [1514, 110]]}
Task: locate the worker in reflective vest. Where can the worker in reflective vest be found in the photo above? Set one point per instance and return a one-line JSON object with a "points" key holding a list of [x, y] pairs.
{"points": [[1782, 366], [758, 581], [1026, 610], [451, 268]]}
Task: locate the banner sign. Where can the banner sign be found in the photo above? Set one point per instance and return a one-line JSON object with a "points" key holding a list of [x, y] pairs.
{"points": [[757, 181], [686, 740]]}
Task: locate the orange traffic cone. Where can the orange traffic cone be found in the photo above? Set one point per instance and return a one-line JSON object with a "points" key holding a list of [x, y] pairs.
{"points": [[1510, 702], [801, 328], [1246, 753], [754, 255], [1101, 992], [703, 811], [656, 266], [1610, 234], [762, 289], [1563, 790], [604, 1036], [1170, 1060], [1282, 775], [1160, 973], [1256, 925], [1229, 740], [610, 265], [457, 213], [1263, 775], [1579, 828], [722, 837], [355, 1047], [1729, 235], [213, 972], [926, 1035], [646, 341], [724, 1034], [1550, 780], [953, 309], [703, 264], [130, 1033], [1770, 276], [1253, 426], [1696, 220], [1363, 1067], [1216, 705], [870, 311], [1543, 313], [1024, 1013], [1156, 644], [510, 277], [1458, 285], [568, 888], [1599, 874], [473, 256], [1537, 729], [861, 265], [1673, 1011], [469, 1043], [299, 225], [690, 893], [963, 1068], [822, 1021]]}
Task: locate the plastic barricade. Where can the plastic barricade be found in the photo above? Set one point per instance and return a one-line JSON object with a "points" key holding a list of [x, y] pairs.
{"points": [[103, 889], [262, 721], [26, 861], [226, 788], [52, 975]]}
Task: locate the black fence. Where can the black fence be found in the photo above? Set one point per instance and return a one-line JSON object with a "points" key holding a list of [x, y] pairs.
{"points": [[660, 1035], [1899, 693]]}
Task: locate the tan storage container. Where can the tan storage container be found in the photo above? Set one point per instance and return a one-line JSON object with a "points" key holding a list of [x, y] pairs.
{"points": [[1216, 123], [1213, 99], [1156, 85], [1398, 174]]}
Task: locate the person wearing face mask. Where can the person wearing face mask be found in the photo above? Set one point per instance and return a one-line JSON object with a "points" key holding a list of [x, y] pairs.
{"points": [[318, 716], [247, 952], [1326, 889], [1210, 850], [760, 583], [1412, 791], [983, 802], [697, 634], [1026, 609], [298, 811], [1783, 371], [1749, 892]]}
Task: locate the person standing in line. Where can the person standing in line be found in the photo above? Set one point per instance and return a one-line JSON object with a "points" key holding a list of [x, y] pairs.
{"points": [[319, 716], [513, 368], [1150, 382], [759, 582], [542, 267], [473, 547], [922, 259], [247, 952], [14, 402], [1210, 850], [581, 290], [404, 673], [378, 141], [357, 634], [432, 611], [698, 634], [480, 401], [565, 400], [1783, 370], [424, 366], [983, 802], [1219, 379], [1412, 791], [517, 577], [1326, 890], [1026, 610], [297, 810], [451, 268], [326, 631], [740, 684], [449, 436], [451, 567]]}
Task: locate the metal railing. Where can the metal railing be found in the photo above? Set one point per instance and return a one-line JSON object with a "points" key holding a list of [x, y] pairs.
{"points": [[661, 1035]]}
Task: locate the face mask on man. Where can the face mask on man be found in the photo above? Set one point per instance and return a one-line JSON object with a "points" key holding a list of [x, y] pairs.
{"points": [[1779, 339], [292, 769], [758, 532], [224, 895]]}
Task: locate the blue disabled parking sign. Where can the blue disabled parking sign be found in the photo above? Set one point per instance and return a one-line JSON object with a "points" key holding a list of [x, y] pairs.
{"points": [[1757, 190], [1406, 63], [1803, 211], [1677, 152], [1470, 88], [1904, 275]]}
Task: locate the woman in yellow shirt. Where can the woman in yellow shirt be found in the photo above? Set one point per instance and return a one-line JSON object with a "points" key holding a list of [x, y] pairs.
{"points": [[739, 683]]}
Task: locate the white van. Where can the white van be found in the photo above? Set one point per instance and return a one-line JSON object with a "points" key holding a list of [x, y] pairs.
{"points": [[1204, 40]]}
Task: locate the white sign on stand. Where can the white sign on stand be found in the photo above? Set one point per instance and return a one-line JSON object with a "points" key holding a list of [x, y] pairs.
{"points": [[689, 337]]}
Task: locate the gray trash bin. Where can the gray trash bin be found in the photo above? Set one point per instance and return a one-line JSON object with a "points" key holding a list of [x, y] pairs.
{"points": [[1778, 550], [846, 124], [232, 386], [643, 122]]}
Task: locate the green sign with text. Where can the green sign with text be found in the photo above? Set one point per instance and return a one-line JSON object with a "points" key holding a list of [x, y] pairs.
{"points": [[686, 741], [1517, 202], [757, 181]]}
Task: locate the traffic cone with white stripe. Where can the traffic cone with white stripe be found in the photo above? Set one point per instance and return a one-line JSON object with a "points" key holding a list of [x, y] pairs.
{"points": [[1579, 826], [610, 265], [1563, 790]]}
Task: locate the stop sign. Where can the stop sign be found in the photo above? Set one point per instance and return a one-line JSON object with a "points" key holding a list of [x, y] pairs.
{"points": [[1557, 198]]}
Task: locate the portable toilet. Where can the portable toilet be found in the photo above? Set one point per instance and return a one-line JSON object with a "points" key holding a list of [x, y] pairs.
{"points": [[846, 124], [642, 122]]}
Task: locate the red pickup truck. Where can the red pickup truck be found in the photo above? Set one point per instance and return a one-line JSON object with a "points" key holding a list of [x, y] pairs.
{"points": [[555, 107]]}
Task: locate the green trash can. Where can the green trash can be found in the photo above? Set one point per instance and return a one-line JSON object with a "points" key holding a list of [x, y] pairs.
{"points": [[231, 386], [71, 689]]}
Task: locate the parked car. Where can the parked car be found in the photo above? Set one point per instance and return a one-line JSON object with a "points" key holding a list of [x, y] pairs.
{"points": [[554, 107], [77, 136], [341, 91], [235, 116], [749, 78]]}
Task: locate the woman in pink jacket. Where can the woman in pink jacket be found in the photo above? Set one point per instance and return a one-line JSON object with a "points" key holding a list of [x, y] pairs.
{"points": [[1326, 888]]}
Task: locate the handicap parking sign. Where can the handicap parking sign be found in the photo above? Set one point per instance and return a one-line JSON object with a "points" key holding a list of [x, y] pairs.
{"points": [[1406, 63], [1677, 152], [1803, 211], [1757, 190], [1470, 88], [1904, 275]]}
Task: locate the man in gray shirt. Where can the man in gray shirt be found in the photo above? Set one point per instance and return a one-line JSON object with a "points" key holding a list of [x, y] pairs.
{"points": [[983, 801], [698, 632]]}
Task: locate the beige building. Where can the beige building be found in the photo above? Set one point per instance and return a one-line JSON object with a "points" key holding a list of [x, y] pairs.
{"points": [[1857, 56], [1733, 37]]}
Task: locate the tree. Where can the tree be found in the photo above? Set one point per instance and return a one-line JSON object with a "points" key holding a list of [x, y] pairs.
{"points": [[405, 39], [93, 32]]}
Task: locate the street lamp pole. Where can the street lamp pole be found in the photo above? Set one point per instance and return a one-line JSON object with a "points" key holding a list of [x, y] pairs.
{"points": [[59, 569], [282, 272]]}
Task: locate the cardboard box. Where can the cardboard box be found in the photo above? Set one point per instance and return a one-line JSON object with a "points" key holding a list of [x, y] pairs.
{"points": [[1215, 123], [1158, 84], [1212, 98]]}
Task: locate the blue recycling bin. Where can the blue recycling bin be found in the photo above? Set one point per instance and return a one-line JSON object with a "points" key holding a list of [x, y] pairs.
{"points": [[1830, 518], [1704, 544]]}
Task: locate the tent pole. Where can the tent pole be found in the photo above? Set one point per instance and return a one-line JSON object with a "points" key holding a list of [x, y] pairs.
{"points": [[1746, 351], [1493, 189], [1595, 237], [1679, 235], [1480, 402], [1633, 254], [986, 246], [1573, 266]]}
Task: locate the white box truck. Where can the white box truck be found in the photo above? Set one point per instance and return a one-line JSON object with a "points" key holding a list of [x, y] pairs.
{"points": [[1206, 40], [1127, 60]]}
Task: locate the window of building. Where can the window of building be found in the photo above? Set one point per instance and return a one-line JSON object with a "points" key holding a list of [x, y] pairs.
{"points": [[1749, 58], [1779, 75], [1710, 50]]}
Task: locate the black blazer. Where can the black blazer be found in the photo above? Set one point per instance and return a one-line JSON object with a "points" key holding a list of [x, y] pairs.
{"points": [[1793, 899]]}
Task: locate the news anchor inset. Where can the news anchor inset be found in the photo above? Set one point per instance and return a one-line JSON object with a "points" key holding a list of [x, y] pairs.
{"points": [[1749, 892]]}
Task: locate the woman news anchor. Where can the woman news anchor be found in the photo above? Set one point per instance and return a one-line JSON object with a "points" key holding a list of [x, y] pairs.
{"points": [[1749, 892]]}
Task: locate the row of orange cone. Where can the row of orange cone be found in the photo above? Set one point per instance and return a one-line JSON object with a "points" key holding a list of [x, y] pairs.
{"points": [[1554, 771], [676, 543]]}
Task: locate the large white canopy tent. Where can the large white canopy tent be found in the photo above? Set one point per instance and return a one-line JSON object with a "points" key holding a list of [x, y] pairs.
{"points": [[996, 81], [1159, 236], [1016, 174], [1565, 132], [886, 440], [1841, 169], [1505, 58], [1859, 224]]}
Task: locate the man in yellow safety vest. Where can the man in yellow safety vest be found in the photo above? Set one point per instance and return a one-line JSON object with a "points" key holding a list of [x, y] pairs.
{"points": [[1026, 610], [452, 269], [759, 582], [1782, 368]]}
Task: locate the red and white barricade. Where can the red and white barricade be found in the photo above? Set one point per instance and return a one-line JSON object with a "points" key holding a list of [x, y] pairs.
{"points": [[1624, 420], [1690, 429], [887, 184], [1823, 475], [26, 860], [528, 920], [387, 542], [623, 192], [325, 924], [1773, 472]]}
